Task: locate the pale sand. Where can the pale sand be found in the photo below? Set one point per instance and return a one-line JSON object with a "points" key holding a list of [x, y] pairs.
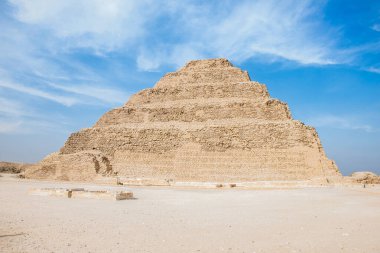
{"points": [[191, 220]]}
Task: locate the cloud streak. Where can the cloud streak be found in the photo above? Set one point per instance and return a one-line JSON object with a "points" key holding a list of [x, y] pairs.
{"points": [[9, 127], [376, 27], [96, 24], [67, 101], [282, 30], [340, 122], [373, 70], [109, 96], [11, 108], [17, 117], [268, 30]]}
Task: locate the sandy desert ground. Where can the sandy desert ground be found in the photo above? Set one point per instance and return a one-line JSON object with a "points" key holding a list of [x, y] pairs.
{"points": [[340, 219]]}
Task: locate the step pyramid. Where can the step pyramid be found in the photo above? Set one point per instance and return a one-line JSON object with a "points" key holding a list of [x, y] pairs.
{"points": [[207, 122]]}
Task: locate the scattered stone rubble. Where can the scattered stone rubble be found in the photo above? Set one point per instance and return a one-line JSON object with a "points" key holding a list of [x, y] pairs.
{"points": [[364, 177], [13, 168]]}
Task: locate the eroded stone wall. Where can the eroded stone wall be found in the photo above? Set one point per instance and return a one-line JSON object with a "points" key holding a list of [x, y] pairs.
{"points": [[206, 122]]}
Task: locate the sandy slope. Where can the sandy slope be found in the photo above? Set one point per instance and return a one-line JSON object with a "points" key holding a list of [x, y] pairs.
{"points": [[175, 220]]}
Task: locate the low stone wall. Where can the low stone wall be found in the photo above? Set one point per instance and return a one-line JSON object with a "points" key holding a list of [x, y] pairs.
{"points": [[82, 193]]}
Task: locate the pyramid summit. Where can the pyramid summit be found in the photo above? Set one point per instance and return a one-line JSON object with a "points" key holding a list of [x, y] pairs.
{"points": [[207, 122]]}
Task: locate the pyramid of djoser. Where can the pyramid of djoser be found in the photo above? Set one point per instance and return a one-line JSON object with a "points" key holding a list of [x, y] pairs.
{"points": [[207, 122]]}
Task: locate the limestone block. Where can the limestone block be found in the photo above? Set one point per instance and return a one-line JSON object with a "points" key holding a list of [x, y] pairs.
{"points": [[110, 195]]}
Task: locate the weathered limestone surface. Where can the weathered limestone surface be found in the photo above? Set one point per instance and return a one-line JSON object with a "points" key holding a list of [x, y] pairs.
{"points": [[13, 168], [364, 177], [207, 122]]}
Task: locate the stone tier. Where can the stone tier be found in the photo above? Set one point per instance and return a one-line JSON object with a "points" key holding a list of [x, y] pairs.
{"points": [[162, 137], [192, 163], [208, 64], [251, 90], [197, 110], [215, 71]]}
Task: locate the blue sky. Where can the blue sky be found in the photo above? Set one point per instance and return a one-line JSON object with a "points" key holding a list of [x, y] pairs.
{"points": [[64, 63]]}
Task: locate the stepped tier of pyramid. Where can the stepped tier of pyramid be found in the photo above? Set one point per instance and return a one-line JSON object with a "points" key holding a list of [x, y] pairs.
{"points": [[207, 122]]}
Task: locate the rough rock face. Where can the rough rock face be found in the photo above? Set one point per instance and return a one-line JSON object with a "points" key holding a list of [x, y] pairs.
{"points": [[14, 168], [364, 177], [207, 122]]}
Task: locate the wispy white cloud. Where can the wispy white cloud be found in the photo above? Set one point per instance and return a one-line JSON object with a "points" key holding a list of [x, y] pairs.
{"points": [[85, 92], [284, 30], [376, 27], [157, 33], [340, 122], [109, 96], [17, 117], [27, 68], [31, 125], [152, 59], [9, 126], [267, 29], [97, 24], [373, 70], [10, 107], [64, 100]]}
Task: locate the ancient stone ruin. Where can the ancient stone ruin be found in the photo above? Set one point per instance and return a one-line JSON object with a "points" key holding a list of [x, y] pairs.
{"points": [[207, 122], [73, 193]]}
